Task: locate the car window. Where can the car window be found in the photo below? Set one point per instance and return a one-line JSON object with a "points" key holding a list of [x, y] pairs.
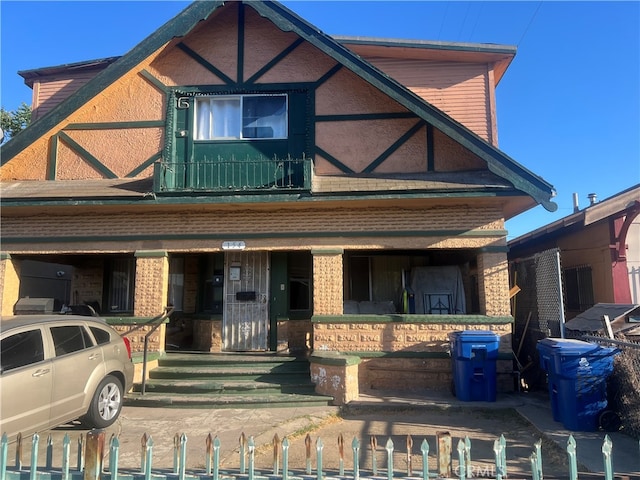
{"points": [[20, 349], [101, 336], [70, 338]]}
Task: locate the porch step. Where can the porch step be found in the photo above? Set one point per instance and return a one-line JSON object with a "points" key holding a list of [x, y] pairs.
{"points": [[199, 380], [225, 400]]}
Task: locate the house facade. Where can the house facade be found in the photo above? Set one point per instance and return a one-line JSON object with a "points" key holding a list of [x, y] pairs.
{"points": [[280, 189], [599, 248]]}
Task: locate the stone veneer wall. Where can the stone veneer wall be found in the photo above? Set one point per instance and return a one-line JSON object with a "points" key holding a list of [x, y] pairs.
{"points": [[207, 335], [408, 352]]}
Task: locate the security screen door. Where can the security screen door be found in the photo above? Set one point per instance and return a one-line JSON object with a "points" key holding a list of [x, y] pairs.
{"points": [[245, 322]]}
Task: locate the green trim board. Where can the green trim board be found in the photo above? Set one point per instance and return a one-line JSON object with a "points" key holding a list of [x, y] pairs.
{"points": [[115, 125], [152, 80], [141, 321], [395, 146], [327, 251], [408, 354], [337, 359], [150, 253], [179, 26], [53, 157], [411, 318], [138, 357], [332, 160], [86, 156], [144, 165], [223, 198], [240, 40], [274, 61], [247, 236], [364, 116], [205, 63], [431, 155], [497, 161]]}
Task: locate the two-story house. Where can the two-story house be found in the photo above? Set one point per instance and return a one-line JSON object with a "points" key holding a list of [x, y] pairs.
{"points": [[282, 189]]}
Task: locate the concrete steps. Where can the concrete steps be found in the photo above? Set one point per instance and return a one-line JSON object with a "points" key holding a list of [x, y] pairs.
{"points": [[234, 380]]}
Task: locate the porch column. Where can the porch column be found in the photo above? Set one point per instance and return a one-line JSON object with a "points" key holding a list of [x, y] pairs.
{"points": [[327, 281], [9, 284], [152, 282], [493, 283]]}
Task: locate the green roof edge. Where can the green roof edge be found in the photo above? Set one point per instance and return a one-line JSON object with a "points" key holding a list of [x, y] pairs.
{"points": [[179, 26]]}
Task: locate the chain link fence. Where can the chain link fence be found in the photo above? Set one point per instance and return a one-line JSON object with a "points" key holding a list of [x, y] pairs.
{"points": [[538, 311]]}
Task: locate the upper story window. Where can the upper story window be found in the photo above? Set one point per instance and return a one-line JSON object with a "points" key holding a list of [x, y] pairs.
{"points": [[236, 117]]}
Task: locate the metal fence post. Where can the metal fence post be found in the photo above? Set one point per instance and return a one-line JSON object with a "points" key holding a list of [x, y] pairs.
{"points": [[534, 466], [148, 459], [285, 458], [424, 448], [573, 461], [606, 455], [341, 455], [319, 448], [251, 445], [462, 463], [389, 448], [66, 454], [497, 451], [34, 457], [355, 447], [216, 458], [114, 456], [49, 458], [409, 458]]}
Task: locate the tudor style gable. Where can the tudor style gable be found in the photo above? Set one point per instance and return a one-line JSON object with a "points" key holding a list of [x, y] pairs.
{"points": [[241, 97]]}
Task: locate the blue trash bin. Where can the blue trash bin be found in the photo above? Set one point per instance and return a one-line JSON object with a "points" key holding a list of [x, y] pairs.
{"points": [[473, 362], [577, 377]]}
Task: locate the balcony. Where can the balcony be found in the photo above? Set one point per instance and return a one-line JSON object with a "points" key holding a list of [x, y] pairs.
{"points": [[249, 175]]}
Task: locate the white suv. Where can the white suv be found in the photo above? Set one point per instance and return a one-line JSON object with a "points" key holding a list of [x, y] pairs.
{"points": [[59, 368]]}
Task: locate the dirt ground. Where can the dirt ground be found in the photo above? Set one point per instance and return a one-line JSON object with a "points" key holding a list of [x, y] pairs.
{"points": [[407, 429], [482, 426]]}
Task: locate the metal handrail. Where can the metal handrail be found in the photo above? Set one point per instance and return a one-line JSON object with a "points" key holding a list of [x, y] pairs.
{"points": [[160, 320]]}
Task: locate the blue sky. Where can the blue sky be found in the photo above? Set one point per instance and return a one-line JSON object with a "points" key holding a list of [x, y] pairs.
{"points": [[568, 107]]}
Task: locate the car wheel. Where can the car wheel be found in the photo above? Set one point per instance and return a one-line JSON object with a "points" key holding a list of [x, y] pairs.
{"points": [[106, 404]]}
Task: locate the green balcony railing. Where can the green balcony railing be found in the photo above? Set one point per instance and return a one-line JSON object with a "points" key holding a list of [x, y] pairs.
{"points": [[249, 175]]}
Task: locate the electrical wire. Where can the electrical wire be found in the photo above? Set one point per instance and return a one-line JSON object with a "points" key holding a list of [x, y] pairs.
{"points": [[530, 23]]}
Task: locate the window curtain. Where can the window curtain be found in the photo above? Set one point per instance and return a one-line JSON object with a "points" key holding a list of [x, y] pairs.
{"points": [[218, 118]]}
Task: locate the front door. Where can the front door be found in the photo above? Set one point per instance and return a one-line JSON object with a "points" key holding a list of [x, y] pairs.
{"points": [[245, 321]]}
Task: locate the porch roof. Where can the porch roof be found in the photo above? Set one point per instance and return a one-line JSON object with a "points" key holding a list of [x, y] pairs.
{"points": [[129, 190]]}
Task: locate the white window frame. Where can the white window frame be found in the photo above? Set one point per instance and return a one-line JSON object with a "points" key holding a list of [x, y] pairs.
{"points": [[204, 134]]}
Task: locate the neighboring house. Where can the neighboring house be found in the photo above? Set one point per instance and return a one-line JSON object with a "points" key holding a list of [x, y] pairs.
{"points": [[280, 188], [599, 251]]}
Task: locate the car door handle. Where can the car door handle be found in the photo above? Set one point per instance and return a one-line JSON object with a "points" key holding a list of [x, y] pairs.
{"points": [[93, 356], [40, 372]]}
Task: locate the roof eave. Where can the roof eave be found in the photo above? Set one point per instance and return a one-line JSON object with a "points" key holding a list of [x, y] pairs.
{"points": [[176, 27]]}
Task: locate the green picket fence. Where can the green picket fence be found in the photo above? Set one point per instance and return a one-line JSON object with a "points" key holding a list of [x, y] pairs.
{"points": [[93, 451]]}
